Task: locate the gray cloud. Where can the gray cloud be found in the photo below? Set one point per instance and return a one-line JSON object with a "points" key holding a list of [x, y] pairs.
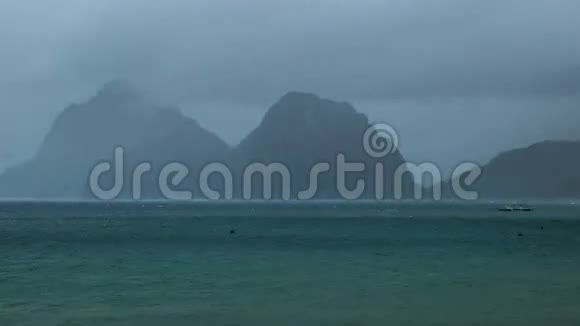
{"points": [[251, 49], [247, 53]]}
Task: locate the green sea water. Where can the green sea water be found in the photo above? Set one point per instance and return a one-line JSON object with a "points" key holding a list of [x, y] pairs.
{"points": [[326, 263]]}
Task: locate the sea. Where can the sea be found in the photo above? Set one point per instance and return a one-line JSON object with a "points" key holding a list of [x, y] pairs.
{"points": [[288, 263]]}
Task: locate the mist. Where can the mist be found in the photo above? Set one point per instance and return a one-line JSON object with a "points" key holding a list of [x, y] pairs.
{"points": [[460, 80]]}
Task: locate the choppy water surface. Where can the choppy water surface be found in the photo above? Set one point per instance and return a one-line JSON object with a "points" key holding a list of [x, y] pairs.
{"points": [[321, 264]]}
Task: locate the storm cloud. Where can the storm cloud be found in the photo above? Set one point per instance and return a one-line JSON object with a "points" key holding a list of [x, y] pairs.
{"points": [[415, 62], [380, 49]]}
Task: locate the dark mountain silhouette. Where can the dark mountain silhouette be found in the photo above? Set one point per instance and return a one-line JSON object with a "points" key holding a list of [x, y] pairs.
{"points": [[547, 170], [544, 170], [302, 130], [85, 134], [299, 131]]}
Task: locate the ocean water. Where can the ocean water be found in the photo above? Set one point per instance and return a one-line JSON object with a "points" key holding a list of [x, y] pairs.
{"points": [[325, 263]]}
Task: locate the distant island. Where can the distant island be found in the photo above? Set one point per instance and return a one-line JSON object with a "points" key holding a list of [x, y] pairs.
{"points": [[546, 170], [299, 130]]}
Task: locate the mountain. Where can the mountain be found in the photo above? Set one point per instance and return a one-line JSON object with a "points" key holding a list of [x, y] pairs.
{"points": [[301, 130], [298, 131], [546, 170], [86, 134], [176, 139]]}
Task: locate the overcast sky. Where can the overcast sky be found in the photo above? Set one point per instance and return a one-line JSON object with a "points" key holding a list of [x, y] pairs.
{"points": [[458, 78]]}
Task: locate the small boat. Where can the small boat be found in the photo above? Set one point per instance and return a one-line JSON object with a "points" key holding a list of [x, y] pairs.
{"points": [[507, 208], [516, 208], [523, 208]]}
